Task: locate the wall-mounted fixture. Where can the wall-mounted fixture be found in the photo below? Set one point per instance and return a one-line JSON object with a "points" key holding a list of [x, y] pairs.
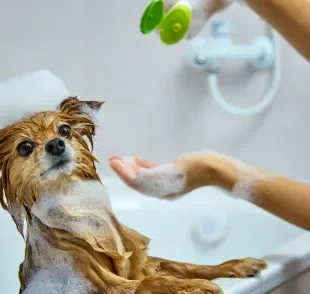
{"points": [[210, 55]]}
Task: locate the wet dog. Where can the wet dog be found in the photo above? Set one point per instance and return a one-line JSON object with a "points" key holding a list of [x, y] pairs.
{"points": [[74, 242]]}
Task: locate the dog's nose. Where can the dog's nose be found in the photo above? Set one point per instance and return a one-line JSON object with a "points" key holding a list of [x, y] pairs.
{"points": [[55, 147]]}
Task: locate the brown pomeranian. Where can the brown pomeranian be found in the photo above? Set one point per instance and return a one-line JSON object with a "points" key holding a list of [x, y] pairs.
{"points": [[74, 242]]}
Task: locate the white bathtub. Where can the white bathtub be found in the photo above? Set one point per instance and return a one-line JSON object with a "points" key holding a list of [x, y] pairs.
{"points": [[251, 232], [170, 225]]}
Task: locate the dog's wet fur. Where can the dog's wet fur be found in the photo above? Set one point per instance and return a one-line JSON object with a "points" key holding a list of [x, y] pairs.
{"points": [[86, 247]]}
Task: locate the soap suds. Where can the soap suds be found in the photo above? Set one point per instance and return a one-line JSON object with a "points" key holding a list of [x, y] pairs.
{"points": [[161, 181], [32, 92], [18, 215], [55, 281], [84, 211], [247, 176], [54, 271], [243, 189], [168, 179]]}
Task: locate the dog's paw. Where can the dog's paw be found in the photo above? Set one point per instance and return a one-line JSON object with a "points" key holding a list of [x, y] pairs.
{"points": [[245, 268]]}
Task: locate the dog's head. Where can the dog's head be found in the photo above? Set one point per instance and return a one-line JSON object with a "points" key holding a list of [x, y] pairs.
{"points": [[47, 151]]}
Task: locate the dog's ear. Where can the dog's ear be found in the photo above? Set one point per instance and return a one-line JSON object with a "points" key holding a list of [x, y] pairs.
{"points": [[83, 115], [74, 106]]}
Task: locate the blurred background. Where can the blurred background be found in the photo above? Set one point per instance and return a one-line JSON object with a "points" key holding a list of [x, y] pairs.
{"points": [[155, 106]]}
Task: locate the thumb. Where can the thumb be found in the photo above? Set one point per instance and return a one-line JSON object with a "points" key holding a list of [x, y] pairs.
{"points": [[125, 173]]}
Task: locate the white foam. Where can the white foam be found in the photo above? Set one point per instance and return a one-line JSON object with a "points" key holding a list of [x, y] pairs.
{"points": [[247, 178], [18, 214], [161, 181], [55, 281], [168, 179], [54, 271], [84, 197], [245, 187], [247, 175], [32, 92], [85, 212]]}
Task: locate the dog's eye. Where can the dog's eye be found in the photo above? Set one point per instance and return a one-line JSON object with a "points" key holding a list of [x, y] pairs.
{"points": [[64, 131], [25, 148]]}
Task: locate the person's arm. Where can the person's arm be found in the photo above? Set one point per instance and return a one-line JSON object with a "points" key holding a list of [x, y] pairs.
{"points": [[291, 18], [287, 199]]}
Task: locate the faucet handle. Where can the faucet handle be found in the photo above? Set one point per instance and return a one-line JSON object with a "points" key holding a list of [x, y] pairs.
{"points": [[220, 28]]}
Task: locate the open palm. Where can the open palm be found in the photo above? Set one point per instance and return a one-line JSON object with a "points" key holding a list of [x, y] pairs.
{"points": [[162, 181]]}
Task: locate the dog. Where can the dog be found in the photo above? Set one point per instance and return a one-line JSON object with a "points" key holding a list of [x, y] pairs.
{"points": [[73, 241]]}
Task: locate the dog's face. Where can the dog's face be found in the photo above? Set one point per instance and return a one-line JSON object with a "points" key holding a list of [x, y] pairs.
{"points": [[45, 148], [47, 151]]}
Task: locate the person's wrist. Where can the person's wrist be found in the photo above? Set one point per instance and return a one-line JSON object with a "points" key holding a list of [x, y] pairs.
{"points": [[204, 169], [223, 173]]}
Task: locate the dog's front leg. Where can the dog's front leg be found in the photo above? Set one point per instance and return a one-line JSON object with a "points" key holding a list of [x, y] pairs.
{"points": [[157, 284], [237, 268]]}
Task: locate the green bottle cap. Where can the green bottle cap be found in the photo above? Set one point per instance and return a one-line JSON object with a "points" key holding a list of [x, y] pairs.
{"points": [[175, 24], [152, 16]]}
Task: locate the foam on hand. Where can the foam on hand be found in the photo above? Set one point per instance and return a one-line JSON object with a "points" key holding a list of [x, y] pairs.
{"points": [[245, 187], [247, 176], [28, 93], [169, 180], [161, 181]]}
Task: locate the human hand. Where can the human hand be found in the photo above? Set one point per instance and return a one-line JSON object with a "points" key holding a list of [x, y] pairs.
{"points": [[202, 10], [168, 181]]}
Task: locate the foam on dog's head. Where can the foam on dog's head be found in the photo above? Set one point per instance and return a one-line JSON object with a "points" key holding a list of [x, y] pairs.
{"points": [[161, 181], [29, 93]]}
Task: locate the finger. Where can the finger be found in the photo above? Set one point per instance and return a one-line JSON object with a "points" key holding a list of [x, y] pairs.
{"points": [[115, 157], [124, 173], [144, 163]]}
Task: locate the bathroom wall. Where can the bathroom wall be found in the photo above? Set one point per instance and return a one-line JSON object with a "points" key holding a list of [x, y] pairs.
{"points": [[156, 107]]}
